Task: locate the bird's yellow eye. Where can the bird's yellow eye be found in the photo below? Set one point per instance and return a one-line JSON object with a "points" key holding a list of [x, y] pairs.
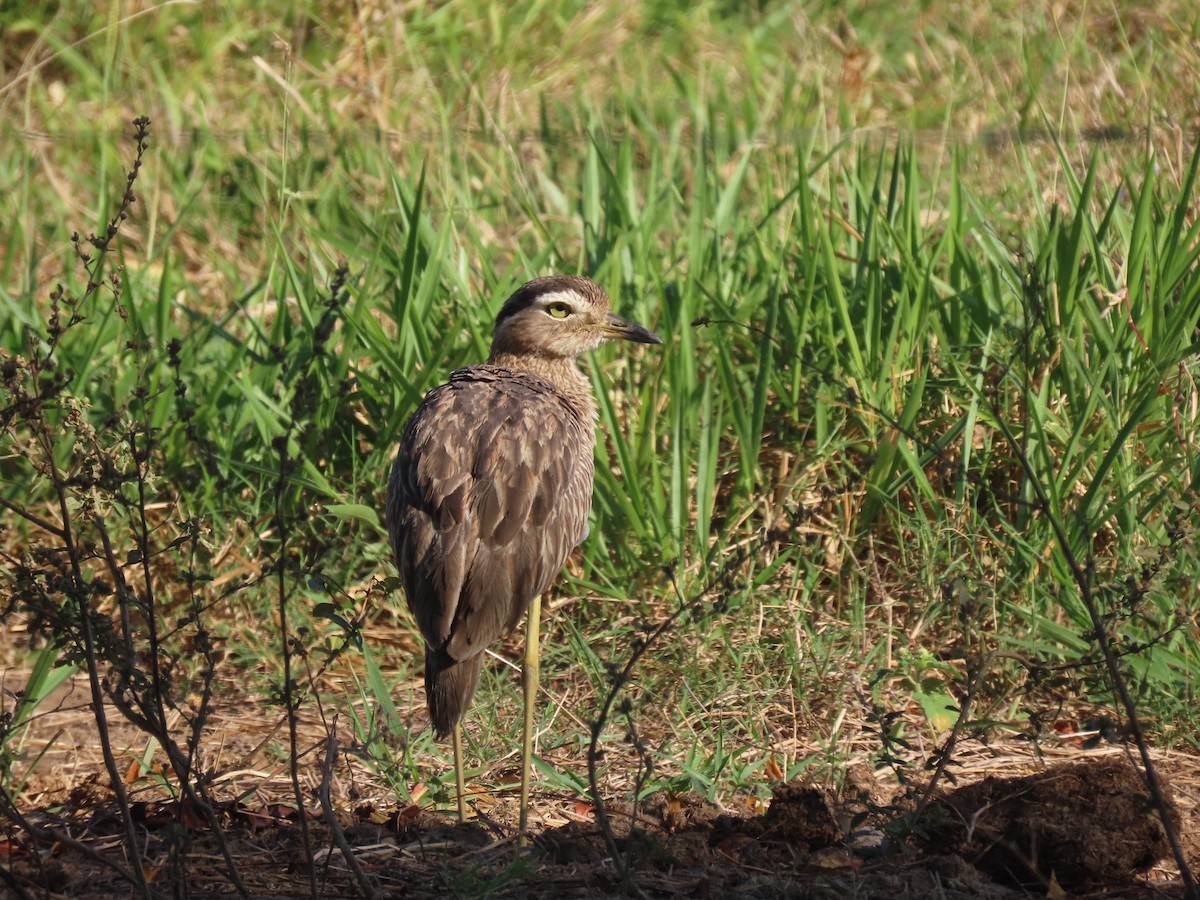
{"points": [[559, 310]]}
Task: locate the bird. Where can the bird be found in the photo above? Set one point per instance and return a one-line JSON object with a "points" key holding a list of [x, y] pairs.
{"points": [[491, 489]]}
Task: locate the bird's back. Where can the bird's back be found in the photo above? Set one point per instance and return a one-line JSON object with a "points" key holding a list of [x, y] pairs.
{"points": [[489, 493]]}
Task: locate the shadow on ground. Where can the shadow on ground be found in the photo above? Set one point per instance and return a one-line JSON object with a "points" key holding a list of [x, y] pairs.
{"points": [[1076, 829]]}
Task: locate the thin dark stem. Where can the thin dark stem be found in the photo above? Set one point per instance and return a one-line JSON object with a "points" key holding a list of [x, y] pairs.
{"points": [[193, 787], [288, 694], [79, 586], [203, 643], [51, 836], [79, 591], [947, 751], [594, 754], [8, 879], [25, 514], [1111, 662], [366, 885]]}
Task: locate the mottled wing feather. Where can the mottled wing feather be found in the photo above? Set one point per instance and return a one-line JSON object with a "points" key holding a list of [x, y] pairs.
{"points": [[489, 493]]}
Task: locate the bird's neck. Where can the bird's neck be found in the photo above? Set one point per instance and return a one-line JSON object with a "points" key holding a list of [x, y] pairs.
{"points": [[561, 371]]}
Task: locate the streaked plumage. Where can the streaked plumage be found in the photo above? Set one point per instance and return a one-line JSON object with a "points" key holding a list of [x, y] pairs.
{"points": [[492, 486], [490, 492]]}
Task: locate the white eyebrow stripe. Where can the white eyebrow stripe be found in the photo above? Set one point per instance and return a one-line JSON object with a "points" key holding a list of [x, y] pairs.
{"points": [[568, 297]]}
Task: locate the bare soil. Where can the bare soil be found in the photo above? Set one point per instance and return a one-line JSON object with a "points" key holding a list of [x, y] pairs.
{"points": [[1080, 828], [1059, 819]]}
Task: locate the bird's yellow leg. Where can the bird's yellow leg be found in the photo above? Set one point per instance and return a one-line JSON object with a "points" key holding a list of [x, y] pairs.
{"points": [[530, 677], [458, 773]]}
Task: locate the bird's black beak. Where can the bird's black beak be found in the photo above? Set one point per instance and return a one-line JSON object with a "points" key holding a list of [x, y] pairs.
{"points": [[616, 327]]}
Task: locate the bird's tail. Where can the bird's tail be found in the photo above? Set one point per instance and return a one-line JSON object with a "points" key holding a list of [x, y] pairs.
{"points": [[449, 686]]}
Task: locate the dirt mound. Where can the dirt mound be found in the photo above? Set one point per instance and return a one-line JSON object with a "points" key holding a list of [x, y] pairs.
{"points": [[687, 833], [1081, 825]]}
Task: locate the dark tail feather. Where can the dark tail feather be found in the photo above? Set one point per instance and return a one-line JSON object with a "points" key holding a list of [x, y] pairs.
{"points": [[449, 686]]}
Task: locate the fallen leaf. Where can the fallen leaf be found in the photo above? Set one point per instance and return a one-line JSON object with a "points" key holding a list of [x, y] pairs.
{"points": [[774, 772], [1054, 890], [834, 858]]}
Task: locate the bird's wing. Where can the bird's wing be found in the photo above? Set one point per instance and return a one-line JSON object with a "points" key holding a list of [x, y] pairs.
{"points": [[489, 493]]}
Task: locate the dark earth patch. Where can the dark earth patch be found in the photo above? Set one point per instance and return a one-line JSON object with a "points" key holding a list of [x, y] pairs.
{"points": [[1082, 825], [1072, 828]]}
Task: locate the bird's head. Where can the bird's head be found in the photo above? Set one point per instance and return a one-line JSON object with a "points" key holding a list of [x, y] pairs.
{"points": [[561, 316]]}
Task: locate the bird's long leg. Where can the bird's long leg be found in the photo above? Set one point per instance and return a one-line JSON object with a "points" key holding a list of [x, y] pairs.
{"points": [[529, 675], [458, 773]]}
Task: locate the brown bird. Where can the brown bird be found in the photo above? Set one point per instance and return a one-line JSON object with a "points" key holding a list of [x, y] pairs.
{"points": [[491, 491]]}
